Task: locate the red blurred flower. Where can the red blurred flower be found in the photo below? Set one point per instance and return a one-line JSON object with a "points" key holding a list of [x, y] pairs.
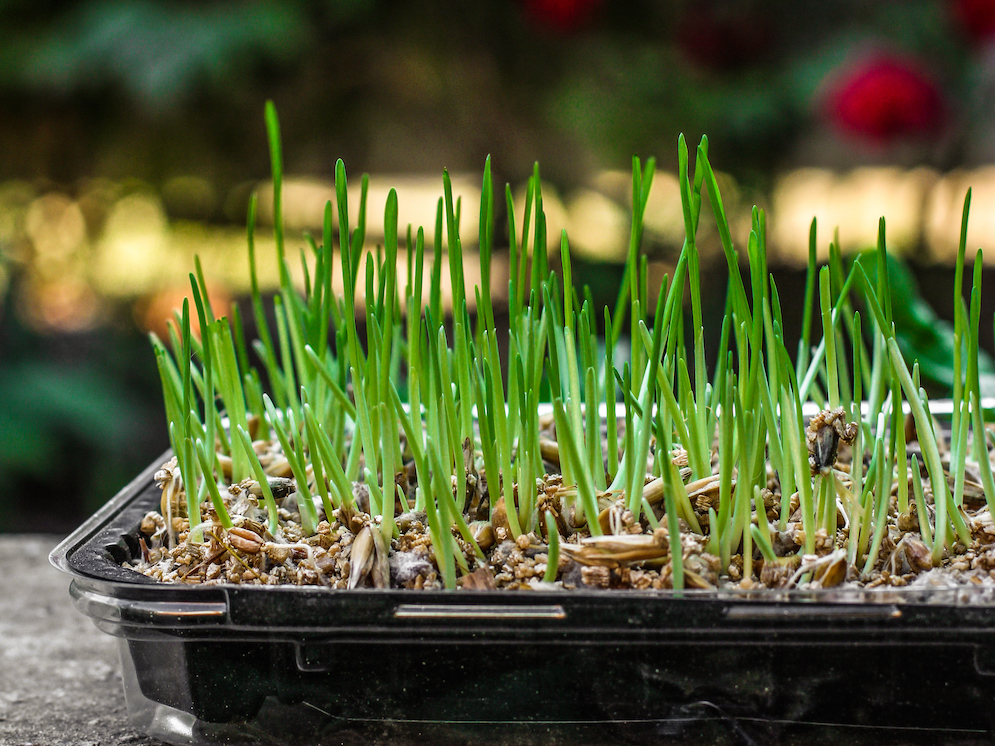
{"points": [[886, 97], [563, 16], [977, 17]]}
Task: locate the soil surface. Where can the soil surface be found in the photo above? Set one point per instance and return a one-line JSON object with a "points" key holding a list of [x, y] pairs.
{"points": [[348, 547]]}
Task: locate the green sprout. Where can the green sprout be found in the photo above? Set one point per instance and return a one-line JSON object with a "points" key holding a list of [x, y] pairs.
{"points": [[401, 411]]}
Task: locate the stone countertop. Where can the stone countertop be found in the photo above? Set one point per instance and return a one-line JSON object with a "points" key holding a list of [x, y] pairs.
{"points": [[60, 679]]}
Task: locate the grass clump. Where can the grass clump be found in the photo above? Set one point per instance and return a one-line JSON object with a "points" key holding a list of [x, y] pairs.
{"points": [[394, 446]]}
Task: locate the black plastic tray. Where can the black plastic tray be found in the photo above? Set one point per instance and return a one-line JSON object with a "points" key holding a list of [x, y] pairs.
{"points": [[274, 665]]}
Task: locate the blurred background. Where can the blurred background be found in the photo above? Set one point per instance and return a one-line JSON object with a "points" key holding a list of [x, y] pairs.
{"points": [[131, 135]]}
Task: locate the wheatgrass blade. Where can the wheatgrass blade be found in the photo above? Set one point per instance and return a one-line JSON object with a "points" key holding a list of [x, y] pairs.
{"points": [[674, 492], [307, 441], [727, 460], [525, 456], [276, 165], [837, 278], [553, 551], [540, 265], [260, 475], [925, 530], [207, 363], [495, 395], [829, 338], [455, 247], [881, 499], [204, 457], [448, 509], [445, 557], [791, 416], [170, 377], [960, 322], [304, 502], [740, 305], [957, 465], [523, 252], [570, 452], [321, 368], [611, 398], [804, 342], [232, 392], [185, 455], [980, 450], [486, 241], [637, 478]]}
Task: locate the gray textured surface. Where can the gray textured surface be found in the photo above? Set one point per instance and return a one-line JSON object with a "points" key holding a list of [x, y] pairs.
{"points": [[60, 681]]}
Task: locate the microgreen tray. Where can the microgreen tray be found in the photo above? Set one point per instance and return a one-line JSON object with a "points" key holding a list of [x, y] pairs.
{"points": [[232, 664]]}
